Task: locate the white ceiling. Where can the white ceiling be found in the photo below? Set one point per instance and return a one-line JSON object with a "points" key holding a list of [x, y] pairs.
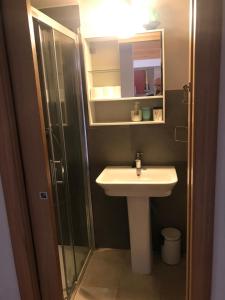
{"points": [[52, 3]]}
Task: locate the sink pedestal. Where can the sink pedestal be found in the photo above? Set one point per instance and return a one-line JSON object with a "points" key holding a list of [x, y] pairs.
{"points": [[140, 234], [153, 182]]}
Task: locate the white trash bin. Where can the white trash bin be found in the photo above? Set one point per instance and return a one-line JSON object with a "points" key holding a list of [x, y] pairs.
{"points": [[171, 247]]}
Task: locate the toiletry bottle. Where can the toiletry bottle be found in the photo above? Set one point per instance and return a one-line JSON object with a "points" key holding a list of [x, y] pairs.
{"points": [[146, 113], [157, 114], [136, 114]]}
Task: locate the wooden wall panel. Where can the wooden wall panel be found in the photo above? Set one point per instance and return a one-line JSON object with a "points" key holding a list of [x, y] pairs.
{"points": [[11, 171], [205, 75]]}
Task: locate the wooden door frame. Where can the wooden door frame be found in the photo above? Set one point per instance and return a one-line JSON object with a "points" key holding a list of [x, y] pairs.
{"points": [[203, 124], [11, 172], [27, 102], [29, 124]]}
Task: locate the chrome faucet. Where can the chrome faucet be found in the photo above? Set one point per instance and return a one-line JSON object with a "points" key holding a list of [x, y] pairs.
{"points": [[138, 163]]}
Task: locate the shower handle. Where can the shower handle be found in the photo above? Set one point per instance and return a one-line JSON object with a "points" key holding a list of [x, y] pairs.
{"points": [[57, 170]]}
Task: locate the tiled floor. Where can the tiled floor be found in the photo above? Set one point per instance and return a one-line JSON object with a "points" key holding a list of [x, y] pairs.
{"points": [[109, 277]]}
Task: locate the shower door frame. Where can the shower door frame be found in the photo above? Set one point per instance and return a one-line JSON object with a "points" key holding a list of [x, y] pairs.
{"points": [[26, 91], [45, 20], [33, 146], [205, 60], [39, 16]]}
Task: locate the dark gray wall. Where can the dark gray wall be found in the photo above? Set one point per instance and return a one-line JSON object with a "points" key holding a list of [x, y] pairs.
{"points": [[117, 145]]}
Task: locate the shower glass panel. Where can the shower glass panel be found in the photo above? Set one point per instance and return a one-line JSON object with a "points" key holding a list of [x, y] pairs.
{"points": [[68, 84], [58, 60]]}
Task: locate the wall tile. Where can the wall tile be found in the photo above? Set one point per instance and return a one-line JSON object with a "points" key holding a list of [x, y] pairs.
{"points": [[117, 145]]}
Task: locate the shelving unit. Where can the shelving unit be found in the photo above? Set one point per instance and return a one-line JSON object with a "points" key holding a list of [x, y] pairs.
{"points": [[102, 65], [128, 99], [129, 123], [104, 71]]}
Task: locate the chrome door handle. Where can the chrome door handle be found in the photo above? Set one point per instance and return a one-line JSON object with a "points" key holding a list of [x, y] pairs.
{"points": [[57, 170]]}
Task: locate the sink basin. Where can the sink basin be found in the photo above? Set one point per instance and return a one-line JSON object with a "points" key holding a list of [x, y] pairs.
{"points": [[123, 181], [153, 182]]}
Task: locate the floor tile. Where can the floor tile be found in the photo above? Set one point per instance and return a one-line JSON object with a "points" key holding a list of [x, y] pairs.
{"points": [[96, 293], [109, 277], [105, 269], [138, 287]]}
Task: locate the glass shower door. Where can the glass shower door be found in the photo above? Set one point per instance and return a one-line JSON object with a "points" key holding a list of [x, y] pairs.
{"points": [[59, 76], [69, 91]]}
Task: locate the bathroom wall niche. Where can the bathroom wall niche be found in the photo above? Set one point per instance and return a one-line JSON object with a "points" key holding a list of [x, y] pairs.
{"points": [[122, 71]]}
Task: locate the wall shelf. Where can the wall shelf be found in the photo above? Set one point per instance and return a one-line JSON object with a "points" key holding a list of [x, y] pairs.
{"points": [[128, 99], [127, 123], [104, 71]]}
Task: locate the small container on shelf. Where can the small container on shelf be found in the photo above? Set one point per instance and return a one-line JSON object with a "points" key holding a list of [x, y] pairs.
{"points": [[146, 113], [136, 114], [157, 114]]}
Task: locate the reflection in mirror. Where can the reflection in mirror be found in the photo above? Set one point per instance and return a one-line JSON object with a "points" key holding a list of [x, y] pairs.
{"points": [[126, 68], [140, 66]]}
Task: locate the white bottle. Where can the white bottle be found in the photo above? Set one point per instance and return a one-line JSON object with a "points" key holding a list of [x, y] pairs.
{"points": [[136, 114]]}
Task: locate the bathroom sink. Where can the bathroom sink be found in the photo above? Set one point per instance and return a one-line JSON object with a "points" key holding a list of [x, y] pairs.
{"points": [[123, 181], [153, 182]]}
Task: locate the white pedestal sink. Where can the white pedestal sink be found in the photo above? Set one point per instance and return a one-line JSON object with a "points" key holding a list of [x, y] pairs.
{"points": [[153, 182]]}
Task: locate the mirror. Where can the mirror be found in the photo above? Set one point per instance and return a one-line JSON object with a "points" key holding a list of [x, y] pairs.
{"points": [[126, 68], [141, 66]]}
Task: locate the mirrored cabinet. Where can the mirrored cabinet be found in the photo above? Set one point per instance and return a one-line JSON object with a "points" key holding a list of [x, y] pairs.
{"points": [[126, 79]]}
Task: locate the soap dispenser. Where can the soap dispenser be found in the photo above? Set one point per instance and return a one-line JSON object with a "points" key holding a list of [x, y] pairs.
{"points": [[136, 114]]}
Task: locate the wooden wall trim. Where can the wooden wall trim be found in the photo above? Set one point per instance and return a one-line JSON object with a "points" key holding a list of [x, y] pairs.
{"points": [[23, 65], [203, 146], [14, 189]]}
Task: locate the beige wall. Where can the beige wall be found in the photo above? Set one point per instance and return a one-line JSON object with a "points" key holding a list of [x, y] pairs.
{"points": [[8, 280], [174, 18]]}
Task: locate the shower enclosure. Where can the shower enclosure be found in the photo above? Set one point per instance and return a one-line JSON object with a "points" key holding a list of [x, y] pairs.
{"points": [[60, 78]]}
